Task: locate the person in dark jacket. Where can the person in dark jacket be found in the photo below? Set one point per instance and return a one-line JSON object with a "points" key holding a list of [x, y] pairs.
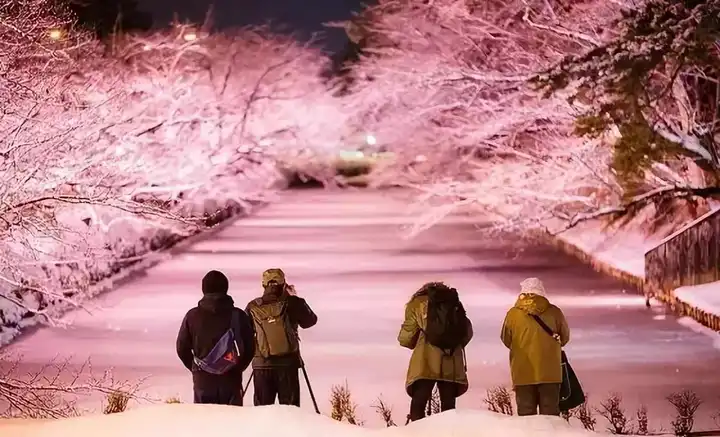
{"points": [[201, 329], [276, 317]]}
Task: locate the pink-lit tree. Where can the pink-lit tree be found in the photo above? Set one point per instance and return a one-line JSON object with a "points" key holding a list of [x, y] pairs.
{"points": [[106, 149], [449, 86]]}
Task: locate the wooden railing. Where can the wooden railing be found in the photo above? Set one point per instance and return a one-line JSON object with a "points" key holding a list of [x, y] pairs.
{"points": [[690, 256]]}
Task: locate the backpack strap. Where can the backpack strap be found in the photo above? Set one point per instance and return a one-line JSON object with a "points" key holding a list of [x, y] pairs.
{"points": [[236, 328], [235, 322], [545, 327]]}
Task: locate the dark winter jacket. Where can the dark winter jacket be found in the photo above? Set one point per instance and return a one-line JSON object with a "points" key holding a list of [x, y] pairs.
{"points": [[201, 329], [300, 316]]}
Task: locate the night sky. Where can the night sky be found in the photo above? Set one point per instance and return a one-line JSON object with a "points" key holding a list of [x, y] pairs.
{"points": [[304, 16]]}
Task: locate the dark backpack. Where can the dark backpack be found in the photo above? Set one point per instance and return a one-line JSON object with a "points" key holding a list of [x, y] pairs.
{"points": [[227, 351], [446, 320], [274, 333]]}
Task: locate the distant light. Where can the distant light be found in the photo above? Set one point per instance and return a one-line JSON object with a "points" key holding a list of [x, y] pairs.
{"points": [[219, 159], [190, 36], [55, 34], [370, 140], [351, 154]]}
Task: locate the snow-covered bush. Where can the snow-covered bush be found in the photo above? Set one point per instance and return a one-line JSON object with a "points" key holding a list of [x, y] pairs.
{"points": [[108, 152]]}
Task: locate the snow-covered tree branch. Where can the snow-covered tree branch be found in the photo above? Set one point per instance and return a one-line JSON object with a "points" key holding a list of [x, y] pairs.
{"points": [[656, 87], [445, 85], [108, 150]]}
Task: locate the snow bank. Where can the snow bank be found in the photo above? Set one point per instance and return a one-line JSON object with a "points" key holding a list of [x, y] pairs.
{"points": [[620, 249], [705, 297], [91, 258], [186, 420], [702, 303], [620, 252]]}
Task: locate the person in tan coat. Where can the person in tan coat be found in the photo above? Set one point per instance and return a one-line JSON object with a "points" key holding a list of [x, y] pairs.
{"points": [[535, 356], [432, 365]]}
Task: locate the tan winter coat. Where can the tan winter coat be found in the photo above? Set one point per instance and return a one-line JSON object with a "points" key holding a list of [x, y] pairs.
{"points": [[534, 355], [427, 361]]}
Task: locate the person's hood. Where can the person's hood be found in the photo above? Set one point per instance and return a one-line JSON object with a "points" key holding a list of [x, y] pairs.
{"points": [[532, 304], [216, 303], [215, 282]]}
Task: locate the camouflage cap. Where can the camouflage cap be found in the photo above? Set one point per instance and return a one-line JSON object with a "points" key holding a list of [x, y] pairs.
{"points": [[276, 275]]}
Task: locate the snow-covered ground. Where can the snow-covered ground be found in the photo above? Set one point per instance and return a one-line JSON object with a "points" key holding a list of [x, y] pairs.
{"points": [[182, 420]]}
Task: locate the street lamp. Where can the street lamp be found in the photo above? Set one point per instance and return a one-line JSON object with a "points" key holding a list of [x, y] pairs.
{"points": [[55, 34]]}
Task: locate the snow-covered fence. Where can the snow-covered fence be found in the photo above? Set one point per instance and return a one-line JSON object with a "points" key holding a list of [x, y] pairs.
{"points": [[690, 256]]}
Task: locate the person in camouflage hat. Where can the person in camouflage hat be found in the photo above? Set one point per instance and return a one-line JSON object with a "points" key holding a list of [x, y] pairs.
{"points": [[276, 317], [270, 275]]}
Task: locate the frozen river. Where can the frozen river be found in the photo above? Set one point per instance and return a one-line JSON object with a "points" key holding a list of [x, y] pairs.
{"points": [[345, 253]]}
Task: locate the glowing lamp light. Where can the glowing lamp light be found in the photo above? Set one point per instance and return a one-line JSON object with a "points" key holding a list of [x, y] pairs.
{"points": [[55, 34], [190, 36], [370, 140]]}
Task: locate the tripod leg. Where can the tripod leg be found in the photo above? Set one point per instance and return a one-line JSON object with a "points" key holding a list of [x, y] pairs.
{"points": [[248, 384], [312, 395]]}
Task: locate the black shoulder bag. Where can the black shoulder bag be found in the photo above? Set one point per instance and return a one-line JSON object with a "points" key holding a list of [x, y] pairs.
{"points": [[571, 392]]}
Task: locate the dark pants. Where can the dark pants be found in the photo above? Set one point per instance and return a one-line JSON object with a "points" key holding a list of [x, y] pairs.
{"points": [[280, 382], [223, 391], [422, 392], [544, 398]]}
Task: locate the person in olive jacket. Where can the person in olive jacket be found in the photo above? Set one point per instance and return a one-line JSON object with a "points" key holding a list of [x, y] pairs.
{"points": [[429, 365], [535, 356]]}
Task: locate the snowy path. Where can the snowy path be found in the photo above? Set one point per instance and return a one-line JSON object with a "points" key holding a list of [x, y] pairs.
{"points": [[344, 252]]}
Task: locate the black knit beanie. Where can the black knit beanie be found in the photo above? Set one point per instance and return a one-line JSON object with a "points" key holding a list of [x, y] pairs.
{"points": [[215, 282]]}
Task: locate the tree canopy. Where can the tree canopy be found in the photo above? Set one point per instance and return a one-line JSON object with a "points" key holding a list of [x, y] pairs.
{"points": [[656, 85]]}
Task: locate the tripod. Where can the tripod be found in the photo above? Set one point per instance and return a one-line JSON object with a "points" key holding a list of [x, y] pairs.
{"points": [[307, 381]]}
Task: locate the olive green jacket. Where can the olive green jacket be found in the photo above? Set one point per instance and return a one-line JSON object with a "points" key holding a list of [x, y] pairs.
{"points": [[428, 361], [534, 354]]}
